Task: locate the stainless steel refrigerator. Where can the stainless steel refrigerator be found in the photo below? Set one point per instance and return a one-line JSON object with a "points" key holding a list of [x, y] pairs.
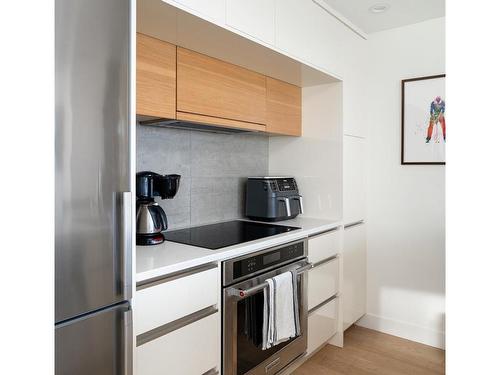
{"points": [[93, 223]]}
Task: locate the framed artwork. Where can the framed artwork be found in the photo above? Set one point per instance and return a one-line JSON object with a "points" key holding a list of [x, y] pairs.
{"points": [[423, 120]]}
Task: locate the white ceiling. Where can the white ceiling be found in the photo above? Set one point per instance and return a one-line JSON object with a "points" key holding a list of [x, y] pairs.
{"points": [[400, 12]]}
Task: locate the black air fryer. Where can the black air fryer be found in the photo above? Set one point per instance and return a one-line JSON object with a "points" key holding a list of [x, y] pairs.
{"points": [[273, 198]]}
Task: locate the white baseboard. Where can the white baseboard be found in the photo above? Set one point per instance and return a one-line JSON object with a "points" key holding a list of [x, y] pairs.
{"points": [[402, 329]]}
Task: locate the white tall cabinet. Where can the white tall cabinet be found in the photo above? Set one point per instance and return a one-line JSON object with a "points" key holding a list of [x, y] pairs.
{"points": [[353, 179], [354, 281], [354, 213]]}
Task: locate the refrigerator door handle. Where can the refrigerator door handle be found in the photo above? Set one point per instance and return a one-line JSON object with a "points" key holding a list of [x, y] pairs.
{"points": [[128, 344], [125, 233]]}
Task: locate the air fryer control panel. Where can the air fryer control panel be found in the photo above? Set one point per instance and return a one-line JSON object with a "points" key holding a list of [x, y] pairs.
{"points": [[280, 185]]}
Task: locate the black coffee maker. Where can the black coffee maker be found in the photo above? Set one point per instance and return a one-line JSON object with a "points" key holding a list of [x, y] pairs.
{"points": [[151, 219]]}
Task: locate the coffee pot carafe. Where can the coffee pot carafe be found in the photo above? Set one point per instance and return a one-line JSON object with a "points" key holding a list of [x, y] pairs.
{"points": [[151, 218]]}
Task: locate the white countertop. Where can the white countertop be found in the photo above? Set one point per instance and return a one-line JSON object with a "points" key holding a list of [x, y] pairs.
{"points": [[168, 257]]}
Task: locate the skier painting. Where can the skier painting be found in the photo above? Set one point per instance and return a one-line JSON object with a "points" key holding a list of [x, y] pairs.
{"points": [[423, 124], [436, 115]]}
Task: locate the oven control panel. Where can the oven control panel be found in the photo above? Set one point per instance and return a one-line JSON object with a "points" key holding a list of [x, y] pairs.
{"points": [[264, 261]]}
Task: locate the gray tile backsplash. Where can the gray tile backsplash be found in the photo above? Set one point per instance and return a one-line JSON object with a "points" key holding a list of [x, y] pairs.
{"points": [[213, 167]]}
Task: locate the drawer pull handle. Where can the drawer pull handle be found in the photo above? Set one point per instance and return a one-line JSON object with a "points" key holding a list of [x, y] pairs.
{"points": [[165, 329], [176, 275], [323, 232], [354, 224], [317, 307], [326, 260]]}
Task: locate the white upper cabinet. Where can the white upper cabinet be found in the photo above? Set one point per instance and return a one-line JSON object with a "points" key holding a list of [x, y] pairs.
{"points": [[212, 9], [308, 32], [255, 18], [354, 179]]}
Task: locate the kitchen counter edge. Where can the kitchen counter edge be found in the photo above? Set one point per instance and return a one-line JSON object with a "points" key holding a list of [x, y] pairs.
{"points": [[170, 257]]}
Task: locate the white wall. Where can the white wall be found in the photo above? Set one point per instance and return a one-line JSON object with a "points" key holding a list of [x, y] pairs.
{"points": [[315, 159], [405, 204]]}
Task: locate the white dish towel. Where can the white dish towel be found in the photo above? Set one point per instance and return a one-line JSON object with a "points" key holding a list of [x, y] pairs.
{"points": [[281, 311]]}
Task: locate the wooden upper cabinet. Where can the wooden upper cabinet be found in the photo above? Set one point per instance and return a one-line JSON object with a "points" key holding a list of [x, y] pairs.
{"points": [[216, 92], [284, 108], [156, 77]]}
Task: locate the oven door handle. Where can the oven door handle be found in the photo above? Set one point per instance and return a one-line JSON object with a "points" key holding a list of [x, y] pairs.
{"points": [[244, 293]]}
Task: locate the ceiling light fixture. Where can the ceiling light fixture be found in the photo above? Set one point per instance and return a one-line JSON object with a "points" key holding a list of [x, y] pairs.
{"points": [[379, 8]]}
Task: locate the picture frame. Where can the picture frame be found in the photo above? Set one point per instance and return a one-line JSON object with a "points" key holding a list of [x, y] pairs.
{"points": [[423, 121]]}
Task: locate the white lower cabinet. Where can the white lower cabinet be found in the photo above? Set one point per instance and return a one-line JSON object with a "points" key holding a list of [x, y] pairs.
{"points": [[177, 323], [354, 274], [323, 287], [189, 350], [323, 246], [191, 292], [322, 325], [323, 282]]}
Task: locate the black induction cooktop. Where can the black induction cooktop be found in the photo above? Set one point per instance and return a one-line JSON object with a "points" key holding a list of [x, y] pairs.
{"points": [[216, 236]]}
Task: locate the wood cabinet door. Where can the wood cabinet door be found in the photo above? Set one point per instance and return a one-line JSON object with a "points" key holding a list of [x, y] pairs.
{"points": [[156, 78], [213, 89], [284, 108]]}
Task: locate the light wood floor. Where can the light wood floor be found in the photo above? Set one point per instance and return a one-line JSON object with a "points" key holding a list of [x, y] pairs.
{"points": [[368, 352]]}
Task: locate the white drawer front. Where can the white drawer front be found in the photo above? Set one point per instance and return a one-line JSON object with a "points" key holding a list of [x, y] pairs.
{"points": [[322, 325], [171, 300], [324, 246], [191, 350], [323, 283]]}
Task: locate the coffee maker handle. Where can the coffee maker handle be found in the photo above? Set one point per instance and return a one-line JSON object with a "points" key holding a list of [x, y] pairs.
{"points": [[287, 205], [164, 222]]}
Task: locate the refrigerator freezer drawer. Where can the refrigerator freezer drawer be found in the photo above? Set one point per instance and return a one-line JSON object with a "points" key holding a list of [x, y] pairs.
{"points": [[190, 350], [99, 343]]}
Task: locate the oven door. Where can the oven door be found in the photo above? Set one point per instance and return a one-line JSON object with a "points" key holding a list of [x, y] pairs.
{"points": [[242, 341]]}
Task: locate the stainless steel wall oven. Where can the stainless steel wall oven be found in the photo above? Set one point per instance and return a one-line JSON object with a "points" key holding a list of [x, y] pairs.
{"points": [[243, 300]]}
